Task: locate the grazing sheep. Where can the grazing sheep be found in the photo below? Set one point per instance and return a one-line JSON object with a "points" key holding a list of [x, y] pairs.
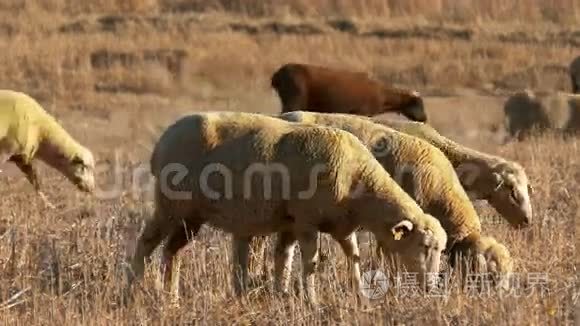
{"points": [[575, 75], [321, 89], [426, 174], [527, 112], [28, 132], [502, 183], [216, 154]]}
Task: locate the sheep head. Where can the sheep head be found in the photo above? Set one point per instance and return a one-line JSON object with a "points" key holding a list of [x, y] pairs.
{"points": [[487, 258], [80, 170], [417, 245], [510, 194], [414, 108], [76, 165]]}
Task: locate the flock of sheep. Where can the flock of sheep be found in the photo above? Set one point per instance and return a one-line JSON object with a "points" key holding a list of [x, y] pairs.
{"points": [[339, 170], [528, 112]]}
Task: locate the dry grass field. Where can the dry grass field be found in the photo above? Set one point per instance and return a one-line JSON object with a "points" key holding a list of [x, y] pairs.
{"points": [[114, 72]]}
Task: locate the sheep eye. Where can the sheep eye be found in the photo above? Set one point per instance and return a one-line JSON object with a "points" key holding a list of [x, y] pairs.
{"points": [[77, 160]]}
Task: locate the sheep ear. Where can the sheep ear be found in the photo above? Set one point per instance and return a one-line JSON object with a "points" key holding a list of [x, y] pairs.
{"points": [[77, 160], [401, 229]]}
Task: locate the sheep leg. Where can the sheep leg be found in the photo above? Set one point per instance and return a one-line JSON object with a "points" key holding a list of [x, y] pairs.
{"points": [[309, 248], [284, 252], [155, 230], [241, 248], [258, 246], [27, 169], [169, 268], [32, 177], [46, 201], [350, 248], [264, 256]]}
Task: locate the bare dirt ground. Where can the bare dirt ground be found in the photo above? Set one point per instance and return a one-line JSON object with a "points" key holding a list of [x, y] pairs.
{"points": [[115, 74]]}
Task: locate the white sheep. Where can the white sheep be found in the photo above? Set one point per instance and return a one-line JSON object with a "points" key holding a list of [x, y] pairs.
{"points": [[28, 132], [529, 111], [326, 181], [501, 182], [426, 174]]}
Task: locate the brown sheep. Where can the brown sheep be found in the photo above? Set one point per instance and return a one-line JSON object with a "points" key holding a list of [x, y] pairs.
{"points": [[321, 89], [527, 112], [575, 75]]}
